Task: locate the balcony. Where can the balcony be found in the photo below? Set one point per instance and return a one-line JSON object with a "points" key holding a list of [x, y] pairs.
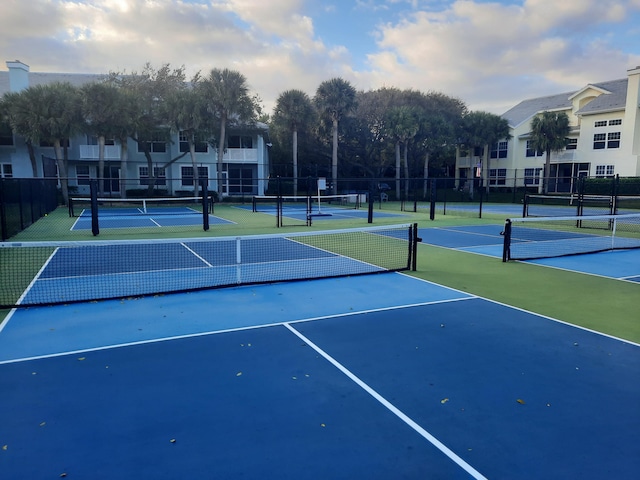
{"points": [[241, 155], [90, 152]]}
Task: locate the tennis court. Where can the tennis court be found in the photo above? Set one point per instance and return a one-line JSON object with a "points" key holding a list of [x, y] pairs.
{"points": [[141, 213], [487, 239], [317, 379]]}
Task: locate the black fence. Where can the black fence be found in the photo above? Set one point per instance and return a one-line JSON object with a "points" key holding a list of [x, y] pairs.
{"points": [[23, 201]]}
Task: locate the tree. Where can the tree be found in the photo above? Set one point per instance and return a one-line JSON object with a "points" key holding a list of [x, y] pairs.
{"points": [[188, 116], [228, 99], [15, 108], [49, 113], [335, 98], [101, 112], [549, 134], [293, 112], [480, 130], [147, 93], [402, 125]]}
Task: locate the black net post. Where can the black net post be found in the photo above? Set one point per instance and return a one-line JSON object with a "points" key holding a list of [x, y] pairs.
{"points": [[371, 200], [506, 246], [205, 205], [93, 189], [432, 200]]}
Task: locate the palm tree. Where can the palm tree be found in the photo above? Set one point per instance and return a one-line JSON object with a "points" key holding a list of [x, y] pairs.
{"points": [[228, 99], [15, 111], [293, 111], [482, 129], [334, 99], [402, 125], [187, 113], [48, 113], [549, 134], [100, 111]]}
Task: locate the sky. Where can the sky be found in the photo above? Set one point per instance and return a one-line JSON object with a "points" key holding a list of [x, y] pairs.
{"points": [[489, 54]]}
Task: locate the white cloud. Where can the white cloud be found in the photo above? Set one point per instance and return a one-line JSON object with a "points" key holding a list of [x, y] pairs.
{"points": [[488, 54]]}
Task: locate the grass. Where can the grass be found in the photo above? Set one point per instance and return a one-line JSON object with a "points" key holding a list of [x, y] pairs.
{"points": [[605, 305]]}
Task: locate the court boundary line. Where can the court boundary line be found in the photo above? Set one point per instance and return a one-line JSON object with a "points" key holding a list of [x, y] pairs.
{"points": [[389, 406], [216, 332]]}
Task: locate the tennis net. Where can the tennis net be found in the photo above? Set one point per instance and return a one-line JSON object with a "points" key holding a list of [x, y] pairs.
{"points": [[81, 206], [45, 273], [543, 237]]}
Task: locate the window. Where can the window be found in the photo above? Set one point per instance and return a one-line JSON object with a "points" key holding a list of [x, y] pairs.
{"points": [[498, 176], [158, 172], [6, 135], [157, 144], [93, 140], [63, 143], [617, 121], [240, 141], [601, 123], [599, 141], [201, 147], [187, 175], [6, 170], [532, 176], [499, 150], [613, 140], [531, 152], [572, 144], [605, 170], [82, 174]]}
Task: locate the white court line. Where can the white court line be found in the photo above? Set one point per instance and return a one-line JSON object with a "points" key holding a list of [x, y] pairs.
{"points": [[392, 408]]}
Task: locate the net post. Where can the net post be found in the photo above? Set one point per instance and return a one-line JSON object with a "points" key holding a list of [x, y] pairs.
{"points": [[506, 246], [93, 190], [525, 204], [70, 206], [432, 200], [205, 206], [413, 242]]}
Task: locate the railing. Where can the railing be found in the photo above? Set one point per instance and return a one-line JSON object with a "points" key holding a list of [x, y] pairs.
{"points": [[90, 152]]}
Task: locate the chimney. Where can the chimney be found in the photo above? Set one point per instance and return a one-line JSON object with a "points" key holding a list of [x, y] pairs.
{"points": [[18, 75]]}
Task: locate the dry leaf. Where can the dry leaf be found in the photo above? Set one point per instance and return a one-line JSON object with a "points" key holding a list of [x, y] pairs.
{"points": [[520, 401]]}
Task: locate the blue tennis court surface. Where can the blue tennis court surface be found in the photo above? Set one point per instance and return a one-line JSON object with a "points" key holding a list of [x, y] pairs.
{"points": [[327, 212], [384, 376], [133, 218]]}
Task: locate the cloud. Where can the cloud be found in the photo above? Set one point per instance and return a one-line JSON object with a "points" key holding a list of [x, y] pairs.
{"points": [[482, 51]]}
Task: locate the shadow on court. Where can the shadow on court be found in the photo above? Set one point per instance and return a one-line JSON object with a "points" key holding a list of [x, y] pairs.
{"points": [[382, 376]]}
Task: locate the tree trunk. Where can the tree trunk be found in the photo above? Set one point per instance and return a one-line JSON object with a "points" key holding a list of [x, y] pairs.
{"points": [[397, 170], [406, 170], [101, 143], [32, 157], [295, 162], [62, 171], [124, 159], [547, 173], [425, 175], [334, 157], [196, 176], [223, 132]]}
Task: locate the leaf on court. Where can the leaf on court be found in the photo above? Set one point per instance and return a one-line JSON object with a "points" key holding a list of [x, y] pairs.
{"points": [[238, 374], [42, 424], [173, 440], [81, 358], [5, 447], [444, 400], [520, 401], [322, 425]]}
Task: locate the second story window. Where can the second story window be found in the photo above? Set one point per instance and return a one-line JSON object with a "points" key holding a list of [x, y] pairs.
{"points": [[240, 141], [158, 143], [499, 150]]}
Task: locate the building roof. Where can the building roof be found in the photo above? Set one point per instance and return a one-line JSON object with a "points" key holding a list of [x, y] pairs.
{"points": [[613, 99], [42, 78]]}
